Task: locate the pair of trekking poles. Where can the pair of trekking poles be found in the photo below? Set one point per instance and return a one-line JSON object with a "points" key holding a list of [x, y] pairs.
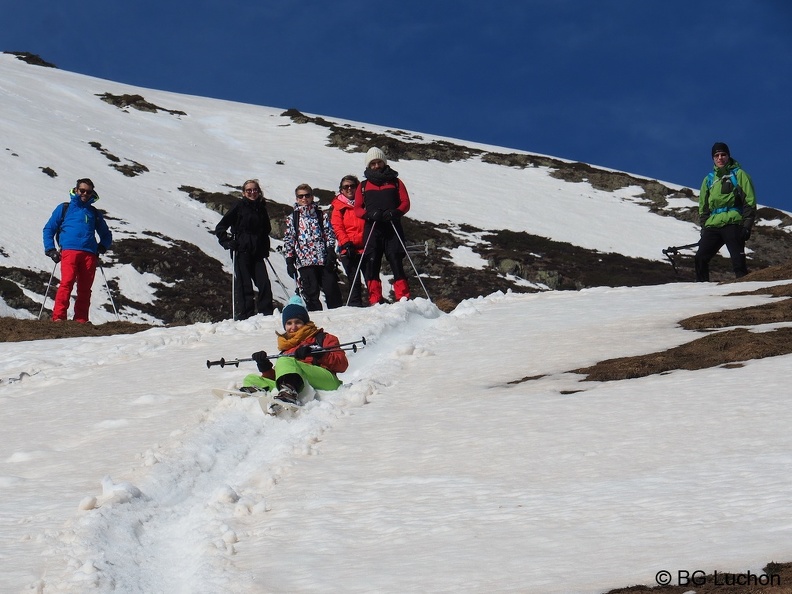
{"points": [[233, 282], [344, 346], [298, 288], [49, 284], [406, 252]]}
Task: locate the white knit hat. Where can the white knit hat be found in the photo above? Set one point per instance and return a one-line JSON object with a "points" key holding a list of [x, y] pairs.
{"points": [[375, 153]]}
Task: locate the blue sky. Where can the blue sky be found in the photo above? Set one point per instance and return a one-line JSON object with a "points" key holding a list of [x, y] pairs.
{"points": [[643, 87]]}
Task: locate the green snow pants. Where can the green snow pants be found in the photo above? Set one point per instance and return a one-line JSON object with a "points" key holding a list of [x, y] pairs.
{"points": [[319, 377]]}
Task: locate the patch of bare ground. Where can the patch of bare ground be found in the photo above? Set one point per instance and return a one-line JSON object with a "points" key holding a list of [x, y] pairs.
{"points": [[728, 347], [14, 330]]}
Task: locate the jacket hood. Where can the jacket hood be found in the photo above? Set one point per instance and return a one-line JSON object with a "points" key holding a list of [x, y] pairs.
{"points": [[75, 198]]}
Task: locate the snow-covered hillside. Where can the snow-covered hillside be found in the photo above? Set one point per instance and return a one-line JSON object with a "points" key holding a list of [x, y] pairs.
{"points": [[438, 466], [62, 125]]}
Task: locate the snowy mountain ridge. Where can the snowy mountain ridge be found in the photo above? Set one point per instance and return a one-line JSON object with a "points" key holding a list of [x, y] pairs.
{"points": [[144, 164]]}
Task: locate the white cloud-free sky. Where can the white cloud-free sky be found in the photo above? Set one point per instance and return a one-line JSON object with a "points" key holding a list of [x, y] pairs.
{"points": [[433, 469], [644, 87]]}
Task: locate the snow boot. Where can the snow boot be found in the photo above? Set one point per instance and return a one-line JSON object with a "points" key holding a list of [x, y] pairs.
{"points": [[288, 395], [401, 289], [375, 291]]}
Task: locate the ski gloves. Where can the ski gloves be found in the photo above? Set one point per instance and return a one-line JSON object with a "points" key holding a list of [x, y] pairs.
{"points": [[302, 352], [54, 254], [230, 244], [348, 248], [263, 364], [330, 261], [291, 269], [330, 264], [305, 351], [383, 216]]}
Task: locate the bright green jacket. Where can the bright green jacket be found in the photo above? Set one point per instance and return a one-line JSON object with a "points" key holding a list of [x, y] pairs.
{"points": [[721, 204]]}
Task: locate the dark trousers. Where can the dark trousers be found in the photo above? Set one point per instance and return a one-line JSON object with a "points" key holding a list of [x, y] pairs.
{"points": [[712, 240], [314, 278], [351, 262], [249, 270], [382, 241]]}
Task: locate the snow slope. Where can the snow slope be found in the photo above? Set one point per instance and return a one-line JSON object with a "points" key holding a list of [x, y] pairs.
{"points": [[449, 478], [219, 144], [434, 468]]}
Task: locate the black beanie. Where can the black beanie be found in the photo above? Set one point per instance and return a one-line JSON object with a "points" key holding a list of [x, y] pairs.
{"points": [[720, 147]]}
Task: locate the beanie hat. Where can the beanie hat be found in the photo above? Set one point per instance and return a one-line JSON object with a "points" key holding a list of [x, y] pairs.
{"points": [[720, 147], [373, 154], [295, 309]]}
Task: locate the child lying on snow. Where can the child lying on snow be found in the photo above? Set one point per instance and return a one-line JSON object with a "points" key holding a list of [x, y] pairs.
{"points": [[299, 341]]}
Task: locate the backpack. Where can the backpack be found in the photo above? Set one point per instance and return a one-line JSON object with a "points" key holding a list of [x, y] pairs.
{"points": [[64, 208], [739, 193]]}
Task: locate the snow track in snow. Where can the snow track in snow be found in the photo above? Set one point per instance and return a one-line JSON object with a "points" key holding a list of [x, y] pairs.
{"points": [[172, 533]]}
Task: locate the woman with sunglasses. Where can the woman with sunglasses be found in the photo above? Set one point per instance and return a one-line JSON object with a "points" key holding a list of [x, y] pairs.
{"points": [[348, 228], [309, 247], [249, 243], [74, 225]]}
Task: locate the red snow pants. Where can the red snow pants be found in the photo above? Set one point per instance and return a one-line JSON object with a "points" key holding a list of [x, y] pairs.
{"points": [[80, 267]]}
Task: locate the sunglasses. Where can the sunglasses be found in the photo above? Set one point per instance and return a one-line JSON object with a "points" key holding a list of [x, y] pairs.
{"points": [[251, 191], [348, 187], [304, 195], [721, 155], [84, 190]]}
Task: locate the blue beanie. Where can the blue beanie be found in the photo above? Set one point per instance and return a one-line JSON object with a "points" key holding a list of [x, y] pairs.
{"points": [[295, 309]]}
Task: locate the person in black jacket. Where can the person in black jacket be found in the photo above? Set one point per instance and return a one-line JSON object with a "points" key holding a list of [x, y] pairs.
{"points": [[249, 244], [381, 200]]}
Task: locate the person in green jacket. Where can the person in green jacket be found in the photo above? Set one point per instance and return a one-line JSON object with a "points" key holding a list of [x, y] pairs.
{"points": [[727, 209]]}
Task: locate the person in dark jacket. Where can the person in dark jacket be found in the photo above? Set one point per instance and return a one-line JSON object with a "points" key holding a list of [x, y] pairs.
{"points": [[309, 247], [75, 225], [301, 364], [249, 244], [727, 209], [381, 200], [348, 228]]}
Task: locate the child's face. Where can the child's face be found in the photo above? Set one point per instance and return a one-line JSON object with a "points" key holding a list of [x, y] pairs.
{"points": [[293, 324]]}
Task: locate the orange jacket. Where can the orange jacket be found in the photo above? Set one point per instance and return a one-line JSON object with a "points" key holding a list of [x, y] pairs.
{"points": [[346, 224]]}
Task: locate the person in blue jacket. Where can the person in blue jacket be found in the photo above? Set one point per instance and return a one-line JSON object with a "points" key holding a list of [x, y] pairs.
{"points": [[74, 225]]}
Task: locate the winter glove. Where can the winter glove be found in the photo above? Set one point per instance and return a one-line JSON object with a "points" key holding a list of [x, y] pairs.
{"points": [[348, 248], [330, 261], [230, 244], [305, 350], [746, 233], [375, 216], [263, 364], [387, 215], [101, 249], [291, 270], [54, 254]]}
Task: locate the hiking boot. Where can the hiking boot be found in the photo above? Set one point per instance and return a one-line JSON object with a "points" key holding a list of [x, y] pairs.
{"points": [[250, 389], [288, 395]]}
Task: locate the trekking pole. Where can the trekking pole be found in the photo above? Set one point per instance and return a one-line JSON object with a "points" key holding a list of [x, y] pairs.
{"points": [[233, 283], [672, 251], [277, 278], [47, 291], [222, 362], [118, 319], [362, 339], [296, 277], [347, 346], [410, 259], [352, 281]]}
